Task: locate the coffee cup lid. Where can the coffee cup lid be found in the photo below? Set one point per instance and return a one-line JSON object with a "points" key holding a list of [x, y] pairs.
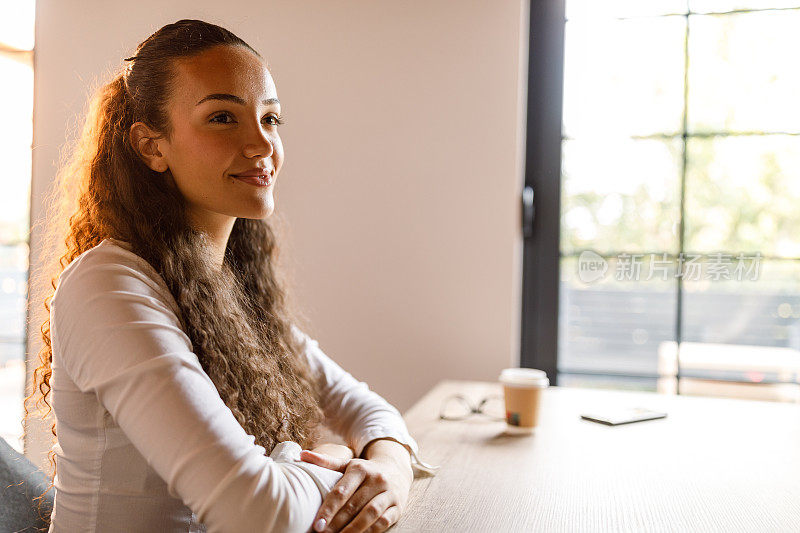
{"points": [[524, 377]]}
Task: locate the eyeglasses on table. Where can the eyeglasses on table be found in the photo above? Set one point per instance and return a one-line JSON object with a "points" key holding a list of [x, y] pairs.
{"points": [[459, 407]]}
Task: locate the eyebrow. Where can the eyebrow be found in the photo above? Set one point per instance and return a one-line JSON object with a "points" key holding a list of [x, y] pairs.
{"points": [[235, 99]]}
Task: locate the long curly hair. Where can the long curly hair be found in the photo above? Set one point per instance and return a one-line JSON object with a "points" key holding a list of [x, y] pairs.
{"points": [[239, 320]]}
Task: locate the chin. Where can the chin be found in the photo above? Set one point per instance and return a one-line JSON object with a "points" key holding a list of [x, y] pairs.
{"points": [[260, 214], [254, 209]]}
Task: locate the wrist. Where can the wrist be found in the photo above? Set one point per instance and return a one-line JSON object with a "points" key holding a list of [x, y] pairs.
{"points": [[387, 449]]}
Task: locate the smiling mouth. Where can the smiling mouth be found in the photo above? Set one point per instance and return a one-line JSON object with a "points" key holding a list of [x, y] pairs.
{"points": [[261, 180]]}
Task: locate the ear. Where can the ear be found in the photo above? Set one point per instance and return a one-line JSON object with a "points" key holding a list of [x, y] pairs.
{"points": [[145, 143]]}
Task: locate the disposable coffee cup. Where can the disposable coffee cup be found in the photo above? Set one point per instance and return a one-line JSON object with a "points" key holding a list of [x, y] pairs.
{"points": [[522, 390]]}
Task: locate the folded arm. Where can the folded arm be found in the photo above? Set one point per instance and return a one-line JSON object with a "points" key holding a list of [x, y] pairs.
{"points": [[118, 335], [351, 409]]}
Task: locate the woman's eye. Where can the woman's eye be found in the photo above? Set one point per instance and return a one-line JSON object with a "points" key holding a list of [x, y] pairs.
{"points": [[222, 118], [273, 120]]}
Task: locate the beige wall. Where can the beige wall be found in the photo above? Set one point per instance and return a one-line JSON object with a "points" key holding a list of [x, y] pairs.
{"points": [[402, 174]]}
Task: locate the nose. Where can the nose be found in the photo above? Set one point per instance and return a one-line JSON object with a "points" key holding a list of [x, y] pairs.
{"points": [[258, 145]]}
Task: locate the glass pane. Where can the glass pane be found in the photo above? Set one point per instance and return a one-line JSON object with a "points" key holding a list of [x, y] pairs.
{"points": [[17, 24], [612, 87], [615, 322], [740, 77], [620, 195], [607, 382], [760, 309], [13, 294], [12, 387], [16, 133], [744, 327], [742, 195], [721, 6], [16, 108], [623, 8]]}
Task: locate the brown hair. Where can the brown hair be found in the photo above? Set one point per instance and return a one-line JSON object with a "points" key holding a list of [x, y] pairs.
{"points": [[239, 321]]}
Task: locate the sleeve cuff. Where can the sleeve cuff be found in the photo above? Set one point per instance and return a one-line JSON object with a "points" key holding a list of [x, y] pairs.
{"points": [[289, 452], [405, 439]]}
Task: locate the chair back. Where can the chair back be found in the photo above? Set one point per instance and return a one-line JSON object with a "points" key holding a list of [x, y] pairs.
{"points": [[21, 484]]}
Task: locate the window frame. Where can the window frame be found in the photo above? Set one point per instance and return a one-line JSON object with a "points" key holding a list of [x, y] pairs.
{"points": [[541, 242], [543, 146]]}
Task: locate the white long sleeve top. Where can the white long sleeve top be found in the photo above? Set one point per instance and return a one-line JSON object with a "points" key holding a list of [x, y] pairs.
{"points": [[145, 442]]}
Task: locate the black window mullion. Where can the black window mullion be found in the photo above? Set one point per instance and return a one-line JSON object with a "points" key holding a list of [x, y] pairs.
{"points": [[540, 283], [682, 213]]}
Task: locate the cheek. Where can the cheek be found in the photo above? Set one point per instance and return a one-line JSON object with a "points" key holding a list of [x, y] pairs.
{"points": [[217, 146], [277, 146], [206, 150]]}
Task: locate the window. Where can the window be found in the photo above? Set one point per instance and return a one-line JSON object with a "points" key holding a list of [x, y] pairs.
{"points": [[16, 134], [678, 246]]}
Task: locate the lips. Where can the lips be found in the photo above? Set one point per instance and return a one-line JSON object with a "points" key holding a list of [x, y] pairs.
{"points": [[254, 172], [257, 176]]}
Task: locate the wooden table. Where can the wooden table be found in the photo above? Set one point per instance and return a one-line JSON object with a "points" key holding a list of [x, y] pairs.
{"points": [[711, 465]]}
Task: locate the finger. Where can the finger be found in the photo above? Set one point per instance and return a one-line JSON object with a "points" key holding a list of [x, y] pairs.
{"points": [[389, 517], [339, 494], [353, 506], [326, 461], [369, 514]]}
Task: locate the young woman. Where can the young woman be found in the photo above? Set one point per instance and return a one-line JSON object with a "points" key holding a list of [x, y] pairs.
{"points": [[182, 388]]}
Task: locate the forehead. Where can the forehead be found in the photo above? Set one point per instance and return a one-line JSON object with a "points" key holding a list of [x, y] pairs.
{"points": [[223, 69]]}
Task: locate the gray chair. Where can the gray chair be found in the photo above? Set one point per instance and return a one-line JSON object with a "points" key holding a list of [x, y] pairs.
{"points": [[21, 483]]}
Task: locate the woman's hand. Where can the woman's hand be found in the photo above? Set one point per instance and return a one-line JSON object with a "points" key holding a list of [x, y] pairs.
{"points": [[372, 493], [338, 451]]}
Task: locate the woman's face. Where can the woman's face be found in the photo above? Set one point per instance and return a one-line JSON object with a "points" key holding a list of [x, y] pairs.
{"points": [[224, 151]]}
